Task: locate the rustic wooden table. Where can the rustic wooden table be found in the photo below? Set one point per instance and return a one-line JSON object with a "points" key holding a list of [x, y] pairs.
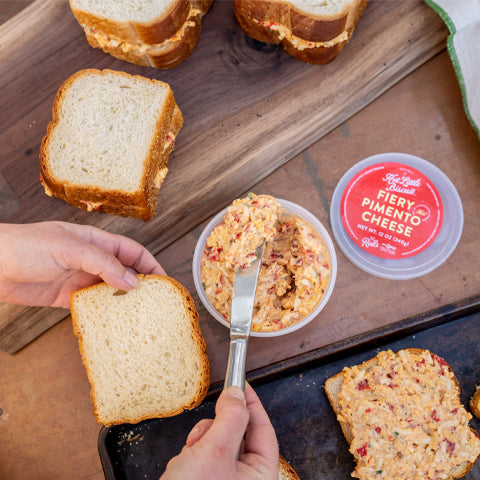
{"points": [[48, 430]]}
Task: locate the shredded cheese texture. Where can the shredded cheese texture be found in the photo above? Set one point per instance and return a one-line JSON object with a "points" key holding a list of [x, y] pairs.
{"points": [[295, 267], [105, 40], [406, 418], [297, 42]]}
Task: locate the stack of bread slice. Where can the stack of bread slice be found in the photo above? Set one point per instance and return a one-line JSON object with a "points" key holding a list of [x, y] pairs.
{"points": [[159, 33], [311, 31], [108, 143]]}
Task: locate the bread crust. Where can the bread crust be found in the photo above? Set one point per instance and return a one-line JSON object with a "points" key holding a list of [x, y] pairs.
{"points": [[166, 55], [475, 402], [204, 365], [285, 470], [143, 202], [171, 51], [156, 31], [254, 18], [332, 390]]}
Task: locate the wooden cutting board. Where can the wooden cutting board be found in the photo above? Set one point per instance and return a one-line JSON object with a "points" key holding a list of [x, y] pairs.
{"points": [[248, 108]]}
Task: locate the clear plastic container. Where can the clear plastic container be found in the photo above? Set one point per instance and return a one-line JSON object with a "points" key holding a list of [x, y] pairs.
{"points": [[426, 260], [291, 208]]}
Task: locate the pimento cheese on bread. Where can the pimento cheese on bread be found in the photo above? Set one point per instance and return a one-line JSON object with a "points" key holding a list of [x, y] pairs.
{"points": [[404, 413], [295, 267]]}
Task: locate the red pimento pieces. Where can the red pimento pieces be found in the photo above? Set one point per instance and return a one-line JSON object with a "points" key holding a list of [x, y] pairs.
{"points": [[441, 361], [450, 447], [213, 253], [363, 385], [442, 364], [362, 451]]}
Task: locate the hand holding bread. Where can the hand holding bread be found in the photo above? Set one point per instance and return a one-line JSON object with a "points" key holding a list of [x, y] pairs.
{"points": [[43, 263]]}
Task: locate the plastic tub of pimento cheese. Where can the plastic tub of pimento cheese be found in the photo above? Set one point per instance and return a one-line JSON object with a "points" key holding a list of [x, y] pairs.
{"points": [[296, 210], [396, 216]]}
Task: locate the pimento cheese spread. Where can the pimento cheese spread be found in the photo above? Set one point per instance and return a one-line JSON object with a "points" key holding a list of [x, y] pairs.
{"points": [[297, 42], [295, 267], [405, 415]]}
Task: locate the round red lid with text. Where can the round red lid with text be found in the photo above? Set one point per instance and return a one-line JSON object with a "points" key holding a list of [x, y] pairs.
{"points": [[396, 215], [391, 210]]}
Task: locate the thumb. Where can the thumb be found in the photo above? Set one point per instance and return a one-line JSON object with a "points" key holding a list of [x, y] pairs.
{"points": [[97, 261], [231, 420]]}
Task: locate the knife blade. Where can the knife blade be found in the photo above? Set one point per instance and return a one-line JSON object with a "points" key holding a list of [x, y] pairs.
{"points": [[241, 310]]}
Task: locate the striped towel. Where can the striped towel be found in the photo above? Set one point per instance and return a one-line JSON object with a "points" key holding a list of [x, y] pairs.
{"points": [[462, 18]]}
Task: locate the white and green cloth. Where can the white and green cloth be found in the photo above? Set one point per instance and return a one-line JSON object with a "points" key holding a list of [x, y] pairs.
{"points": [[462, 18]]}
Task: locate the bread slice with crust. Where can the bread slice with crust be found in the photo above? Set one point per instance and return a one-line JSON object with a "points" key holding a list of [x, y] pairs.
{"points": [[108, 143], [143, 349], [167, 54], [475, 402], [386, 407], [134, 21], [314, 32], [285, 470], [159, 34]]}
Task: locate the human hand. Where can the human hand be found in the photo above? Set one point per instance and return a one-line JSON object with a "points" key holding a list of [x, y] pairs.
{"points": [[212, 446], [43, 263]]}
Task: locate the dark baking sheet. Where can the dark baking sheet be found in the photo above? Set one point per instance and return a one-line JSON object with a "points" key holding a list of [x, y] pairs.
{"points": [[308, 433]]}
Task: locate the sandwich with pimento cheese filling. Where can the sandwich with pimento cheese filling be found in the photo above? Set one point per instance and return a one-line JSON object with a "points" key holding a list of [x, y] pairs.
{"points": [[158, 33], [310, 30], [108, 143], [402, 416]]}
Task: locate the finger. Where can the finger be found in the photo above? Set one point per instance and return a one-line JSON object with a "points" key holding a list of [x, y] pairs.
{"points": [[260, 435], [231, 419], [98, 262], [198, 431], [129, 252], [54, 293]]}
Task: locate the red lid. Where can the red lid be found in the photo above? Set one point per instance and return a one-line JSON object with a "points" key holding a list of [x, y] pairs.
{"points": [[391, 210]]}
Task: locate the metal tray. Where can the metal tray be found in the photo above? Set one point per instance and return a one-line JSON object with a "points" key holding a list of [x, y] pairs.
{"points": [[307, 430]]}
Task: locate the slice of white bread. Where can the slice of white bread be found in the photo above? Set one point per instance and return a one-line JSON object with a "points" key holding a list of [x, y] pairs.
{"points": [[441, 433], [108, 143], [285, 470], [313, 32], [475, 402], [160, 34], [133, 20], [143, 350]]}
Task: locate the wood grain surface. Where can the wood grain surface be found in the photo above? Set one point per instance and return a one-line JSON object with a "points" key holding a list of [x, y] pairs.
{"points": [[46, 419], [248, 108], [48, 429]]}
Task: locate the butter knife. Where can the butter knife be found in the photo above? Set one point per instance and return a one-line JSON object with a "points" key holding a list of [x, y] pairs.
{"points": [[241, 310]]}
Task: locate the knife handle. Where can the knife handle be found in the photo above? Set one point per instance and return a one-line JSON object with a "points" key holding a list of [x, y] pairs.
{"points": [[237, 356]]}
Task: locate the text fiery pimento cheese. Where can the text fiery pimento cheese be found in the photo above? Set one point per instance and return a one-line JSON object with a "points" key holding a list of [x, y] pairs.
{"points": [[295, 267], [406, 419]]}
